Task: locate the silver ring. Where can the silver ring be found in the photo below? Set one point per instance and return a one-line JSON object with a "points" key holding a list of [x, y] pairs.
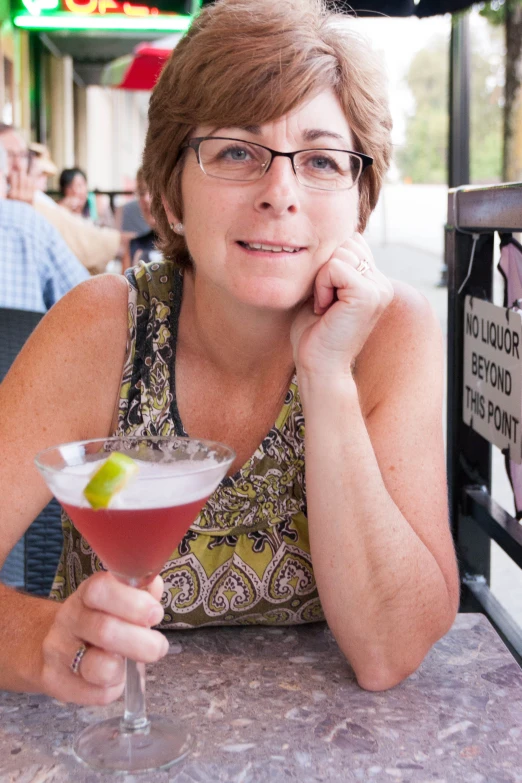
{"points": [[363, 266], [80, 652]]}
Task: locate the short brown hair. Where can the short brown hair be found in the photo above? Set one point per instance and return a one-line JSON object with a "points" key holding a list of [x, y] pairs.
{"points": [[140, 179], [246, 62]]}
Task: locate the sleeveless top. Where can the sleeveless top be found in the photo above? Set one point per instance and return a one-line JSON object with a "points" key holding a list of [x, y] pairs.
{"points": [[246, 558]]}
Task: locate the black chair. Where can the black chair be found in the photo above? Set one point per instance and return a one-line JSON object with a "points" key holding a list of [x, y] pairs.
{"points": [[32, 563]]}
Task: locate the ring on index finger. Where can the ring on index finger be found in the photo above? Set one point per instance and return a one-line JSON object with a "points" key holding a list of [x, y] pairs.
{"points": [[76, 661], [363, 266]]}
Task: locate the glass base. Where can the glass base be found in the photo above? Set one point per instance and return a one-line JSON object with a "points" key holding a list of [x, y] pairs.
{"points": [[105, 747]]}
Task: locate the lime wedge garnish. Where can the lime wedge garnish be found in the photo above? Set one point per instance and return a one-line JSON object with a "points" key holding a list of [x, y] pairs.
{"points": [[109, 479]]}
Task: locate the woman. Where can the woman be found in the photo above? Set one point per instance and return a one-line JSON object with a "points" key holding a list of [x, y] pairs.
{"points": [[274, 319], [74, 193], [76, 198]]}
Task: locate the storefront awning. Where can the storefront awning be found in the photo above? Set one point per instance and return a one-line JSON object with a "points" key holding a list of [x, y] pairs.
{"points": [[139, 70]]}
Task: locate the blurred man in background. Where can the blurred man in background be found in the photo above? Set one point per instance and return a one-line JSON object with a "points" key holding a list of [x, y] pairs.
{"points": [[18, 154], [37, 268], [92, 245]]}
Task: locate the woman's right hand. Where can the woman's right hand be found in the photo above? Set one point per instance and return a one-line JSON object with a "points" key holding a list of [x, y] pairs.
{"points": [[114, 621]]}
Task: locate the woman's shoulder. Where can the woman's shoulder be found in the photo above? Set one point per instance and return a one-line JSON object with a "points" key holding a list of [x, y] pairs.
{"points": [[81, 339], [106, 291], [410, 309], [96, 308], [94, 312], [406, 340], [408, 320]]}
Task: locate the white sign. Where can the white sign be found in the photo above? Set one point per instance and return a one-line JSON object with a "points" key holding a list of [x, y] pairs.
{"points": [[492, 403]]}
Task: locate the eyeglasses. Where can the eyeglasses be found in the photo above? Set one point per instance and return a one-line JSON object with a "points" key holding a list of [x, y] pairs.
{"points": [[245, 161]]}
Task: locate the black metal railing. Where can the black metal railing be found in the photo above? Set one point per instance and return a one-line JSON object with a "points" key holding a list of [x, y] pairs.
{"points": [[476, 518], [112, 194]]}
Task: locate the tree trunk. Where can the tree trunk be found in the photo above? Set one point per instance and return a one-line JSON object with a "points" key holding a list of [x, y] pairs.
{"points": [[512, 167]]}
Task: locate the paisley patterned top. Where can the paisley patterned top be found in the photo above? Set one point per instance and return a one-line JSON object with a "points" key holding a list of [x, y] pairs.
{"points": [[246, 558]]}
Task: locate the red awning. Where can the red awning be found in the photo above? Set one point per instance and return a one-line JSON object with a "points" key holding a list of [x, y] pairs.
{"points": [[141, 69]]}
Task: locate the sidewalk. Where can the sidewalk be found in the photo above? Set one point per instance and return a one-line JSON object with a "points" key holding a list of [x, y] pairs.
{"points": [[423, 270]]}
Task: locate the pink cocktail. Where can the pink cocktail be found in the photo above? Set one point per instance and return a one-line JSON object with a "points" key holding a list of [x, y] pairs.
{"points": [[134, 537], [134, 544]]}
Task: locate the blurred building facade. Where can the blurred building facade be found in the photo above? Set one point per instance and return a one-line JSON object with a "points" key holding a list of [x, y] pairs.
{"points": [[52, 56]]}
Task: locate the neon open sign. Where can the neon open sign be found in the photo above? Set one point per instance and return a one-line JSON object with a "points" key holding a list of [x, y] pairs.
{"points": [[89, 7], [108, 7], [108, 15]]}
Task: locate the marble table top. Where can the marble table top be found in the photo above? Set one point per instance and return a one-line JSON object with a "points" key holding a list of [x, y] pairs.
{"points": [[281, 704]]}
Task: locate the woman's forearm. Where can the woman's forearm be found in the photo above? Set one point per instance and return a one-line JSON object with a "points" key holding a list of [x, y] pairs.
{"points": [[383, 593], [25, 623]]}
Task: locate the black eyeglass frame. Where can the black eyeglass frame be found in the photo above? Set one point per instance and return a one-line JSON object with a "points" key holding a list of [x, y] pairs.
{"points": [[195, 143]]}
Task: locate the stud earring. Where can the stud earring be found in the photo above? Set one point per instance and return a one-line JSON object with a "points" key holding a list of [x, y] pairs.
{"points": [[178, 228]]}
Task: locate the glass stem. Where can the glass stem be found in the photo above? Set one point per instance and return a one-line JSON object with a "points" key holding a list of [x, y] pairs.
{"points": [[135, 715]]}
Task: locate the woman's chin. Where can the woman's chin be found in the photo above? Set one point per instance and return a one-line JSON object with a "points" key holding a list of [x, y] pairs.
{"points": [[277, 295]]}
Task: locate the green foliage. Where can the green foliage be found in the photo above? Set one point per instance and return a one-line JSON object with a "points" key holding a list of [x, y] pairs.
{"points": [[495, 10], [423, 158], [486, 120]]}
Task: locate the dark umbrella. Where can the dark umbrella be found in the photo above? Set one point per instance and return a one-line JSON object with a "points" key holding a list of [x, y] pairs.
{"points": [[402, 7]]}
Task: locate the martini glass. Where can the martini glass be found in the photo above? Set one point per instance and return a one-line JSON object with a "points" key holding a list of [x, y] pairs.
{"points": [[134, 537]]}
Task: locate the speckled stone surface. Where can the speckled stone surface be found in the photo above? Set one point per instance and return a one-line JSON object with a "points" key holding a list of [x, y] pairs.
{"points": [[281, 705]]}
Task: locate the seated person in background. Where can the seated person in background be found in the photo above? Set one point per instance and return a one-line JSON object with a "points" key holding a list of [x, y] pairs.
{"points": [[74, 193], [36, 265], [142, 247], [75, 196], [94, 246], [268, 326], [129, 219], [18, 154]]}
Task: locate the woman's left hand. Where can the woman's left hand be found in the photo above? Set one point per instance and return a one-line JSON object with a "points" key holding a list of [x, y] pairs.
{"points": [[332, 327]]}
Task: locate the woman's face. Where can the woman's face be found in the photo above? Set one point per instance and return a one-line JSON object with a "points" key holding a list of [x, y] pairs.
{"points": [[78, 188], [221, 216]]}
